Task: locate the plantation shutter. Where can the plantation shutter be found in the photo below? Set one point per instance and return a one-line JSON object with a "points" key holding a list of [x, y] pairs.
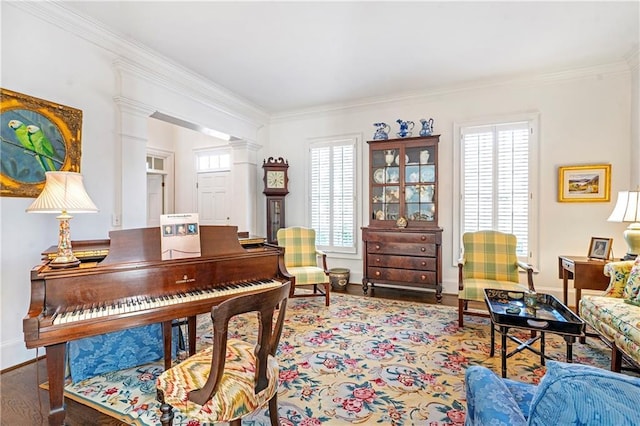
{"points": [[332, 195], [495, 180]]}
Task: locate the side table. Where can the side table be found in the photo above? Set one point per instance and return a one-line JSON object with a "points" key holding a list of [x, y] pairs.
{"points": [[539, 312], [586, 274]]}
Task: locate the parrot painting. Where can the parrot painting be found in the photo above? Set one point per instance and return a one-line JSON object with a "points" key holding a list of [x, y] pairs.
{"points": [[23, 137], [42, 147]]}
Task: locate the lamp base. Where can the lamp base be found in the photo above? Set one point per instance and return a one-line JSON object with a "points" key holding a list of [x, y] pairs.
{"points": [[632, 237], [65, 257], [61, 262]]}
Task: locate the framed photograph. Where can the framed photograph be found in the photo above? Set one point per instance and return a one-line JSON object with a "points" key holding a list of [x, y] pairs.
{"points": [[590, 183], [36, 136], [600, 248]]}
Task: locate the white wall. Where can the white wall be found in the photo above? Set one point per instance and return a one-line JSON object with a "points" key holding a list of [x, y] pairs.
{"points": [[634, 62], [51, 65], [584, 119]]}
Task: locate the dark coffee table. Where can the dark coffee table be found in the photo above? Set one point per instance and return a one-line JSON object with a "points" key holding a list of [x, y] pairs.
{"points": [[537, 312]]}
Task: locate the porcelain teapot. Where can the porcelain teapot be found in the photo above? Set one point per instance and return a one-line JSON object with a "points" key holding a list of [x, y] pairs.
{"points": [[382, 131], [427, 127], [405, 128]]}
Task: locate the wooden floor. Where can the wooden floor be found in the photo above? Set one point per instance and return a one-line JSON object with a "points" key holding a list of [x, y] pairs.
{"points": [[24, 403]]}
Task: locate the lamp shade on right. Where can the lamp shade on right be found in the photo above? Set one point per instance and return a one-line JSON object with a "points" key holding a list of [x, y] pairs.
{"points": [[627, 209]]}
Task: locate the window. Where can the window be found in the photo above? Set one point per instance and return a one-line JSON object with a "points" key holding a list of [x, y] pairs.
{"points": [[213, 161], [496, 181], [332, 193], [155, 163]]}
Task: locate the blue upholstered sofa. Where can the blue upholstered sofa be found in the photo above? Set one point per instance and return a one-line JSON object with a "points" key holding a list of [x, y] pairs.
{"points": [[568, 394]]}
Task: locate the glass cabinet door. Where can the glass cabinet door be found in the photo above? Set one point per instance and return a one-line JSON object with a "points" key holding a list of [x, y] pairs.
{"points": [[420, 184], [385, 185]]}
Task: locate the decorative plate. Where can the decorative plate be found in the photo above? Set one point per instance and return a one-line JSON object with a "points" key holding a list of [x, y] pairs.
{"points": [[378, 176], [428, 174], [393, 175]]}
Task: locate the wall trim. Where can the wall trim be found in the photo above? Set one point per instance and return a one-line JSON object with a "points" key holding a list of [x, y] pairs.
{"points": [[633, 59], [159, 69], [524, 80]]}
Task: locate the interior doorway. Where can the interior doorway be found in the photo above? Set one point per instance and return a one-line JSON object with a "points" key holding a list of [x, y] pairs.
{"points": [[214, 201], [159, 185], [155, 198]]}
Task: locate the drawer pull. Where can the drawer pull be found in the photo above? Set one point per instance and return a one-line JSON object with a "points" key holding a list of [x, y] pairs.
{"points": [[423, 263], [377, 246], [423, 238], [377, 260], [423, 277], [423, 249], [377, 274]]}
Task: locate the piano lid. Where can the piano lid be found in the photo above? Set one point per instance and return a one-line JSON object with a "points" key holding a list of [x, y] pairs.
{"points": [[97, 250], [143, 244]]}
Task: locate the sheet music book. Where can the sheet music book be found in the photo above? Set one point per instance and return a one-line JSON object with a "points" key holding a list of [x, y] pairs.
{"points": [[180, 236]]}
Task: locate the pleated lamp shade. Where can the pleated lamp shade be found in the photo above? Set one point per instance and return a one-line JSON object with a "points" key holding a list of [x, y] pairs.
{"points": [[63, 192]]}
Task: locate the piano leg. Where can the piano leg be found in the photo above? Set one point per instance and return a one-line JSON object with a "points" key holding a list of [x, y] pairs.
{"points": [[55, 371], [191, 325], [167, 331]]}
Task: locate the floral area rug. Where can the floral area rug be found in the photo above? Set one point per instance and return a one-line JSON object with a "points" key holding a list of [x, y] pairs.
{"points": [[360, 361]]}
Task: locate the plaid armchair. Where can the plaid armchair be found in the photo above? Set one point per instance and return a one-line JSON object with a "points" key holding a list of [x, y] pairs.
{"points": [[489, 260], [301, 261]]}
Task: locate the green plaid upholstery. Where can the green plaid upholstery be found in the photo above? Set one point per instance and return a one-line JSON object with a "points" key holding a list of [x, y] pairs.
{"points": [[490, 255], [301, 258], [300, 246], [308, 275], [490, 262]]}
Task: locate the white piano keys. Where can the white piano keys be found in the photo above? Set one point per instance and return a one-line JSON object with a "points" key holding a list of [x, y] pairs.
{"points": [[137, 304]]}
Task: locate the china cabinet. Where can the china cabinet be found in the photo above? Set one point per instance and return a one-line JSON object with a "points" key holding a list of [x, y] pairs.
{"points": [[403, 243]]}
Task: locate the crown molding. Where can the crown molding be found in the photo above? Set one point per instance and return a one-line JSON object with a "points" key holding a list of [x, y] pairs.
{"points": [[524, 80], [245, 144], [133, 107], [633, 58], [131, 55]]}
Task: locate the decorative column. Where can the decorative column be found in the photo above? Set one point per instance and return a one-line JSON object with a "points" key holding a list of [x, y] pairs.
{"points": [[131, 174], [243, 183]]}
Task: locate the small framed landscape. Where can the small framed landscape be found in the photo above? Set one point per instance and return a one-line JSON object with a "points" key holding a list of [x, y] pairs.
{"points": [[590, 183], [600, 248]]}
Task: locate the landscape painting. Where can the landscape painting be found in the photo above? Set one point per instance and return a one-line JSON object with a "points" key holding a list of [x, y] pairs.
{"points": [[584, 183], [36, 136]]}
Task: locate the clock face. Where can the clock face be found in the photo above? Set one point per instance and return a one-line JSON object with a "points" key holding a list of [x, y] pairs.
{"points": [[275, 179]]}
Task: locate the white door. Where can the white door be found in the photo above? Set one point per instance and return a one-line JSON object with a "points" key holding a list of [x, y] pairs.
{"points": [[155, 198], [214, 201]]}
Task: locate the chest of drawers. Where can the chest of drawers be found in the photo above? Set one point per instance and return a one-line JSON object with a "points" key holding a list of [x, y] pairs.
{"points": [[403, 257]]}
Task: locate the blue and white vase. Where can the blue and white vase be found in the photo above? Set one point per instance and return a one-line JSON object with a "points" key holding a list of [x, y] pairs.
{"points": [[382, 131], [405, 128], [427, 127]]}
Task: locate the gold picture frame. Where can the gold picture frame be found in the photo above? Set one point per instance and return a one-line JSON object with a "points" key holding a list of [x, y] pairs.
{"points": [[36, 136], [600, 248], [589, 183]]}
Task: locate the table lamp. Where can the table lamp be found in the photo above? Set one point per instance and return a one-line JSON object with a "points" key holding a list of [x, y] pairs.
{"points": [[627, 209], [63, 193]]}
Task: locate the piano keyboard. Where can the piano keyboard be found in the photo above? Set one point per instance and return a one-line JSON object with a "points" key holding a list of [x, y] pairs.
{"points": [[140, 303]]}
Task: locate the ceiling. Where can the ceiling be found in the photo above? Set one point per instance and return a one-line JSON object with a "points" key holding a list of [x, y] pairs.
{"points": [[284, 56]]}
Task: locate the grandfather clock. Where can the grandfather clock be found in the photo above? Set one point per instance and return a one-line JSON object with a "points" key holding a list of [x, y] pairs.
{"points": [[276, 184]]}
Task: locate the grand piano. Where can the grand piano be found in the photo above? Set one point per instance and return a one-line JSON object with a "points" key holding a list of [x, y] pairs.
{"points": [[133, 286]]}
